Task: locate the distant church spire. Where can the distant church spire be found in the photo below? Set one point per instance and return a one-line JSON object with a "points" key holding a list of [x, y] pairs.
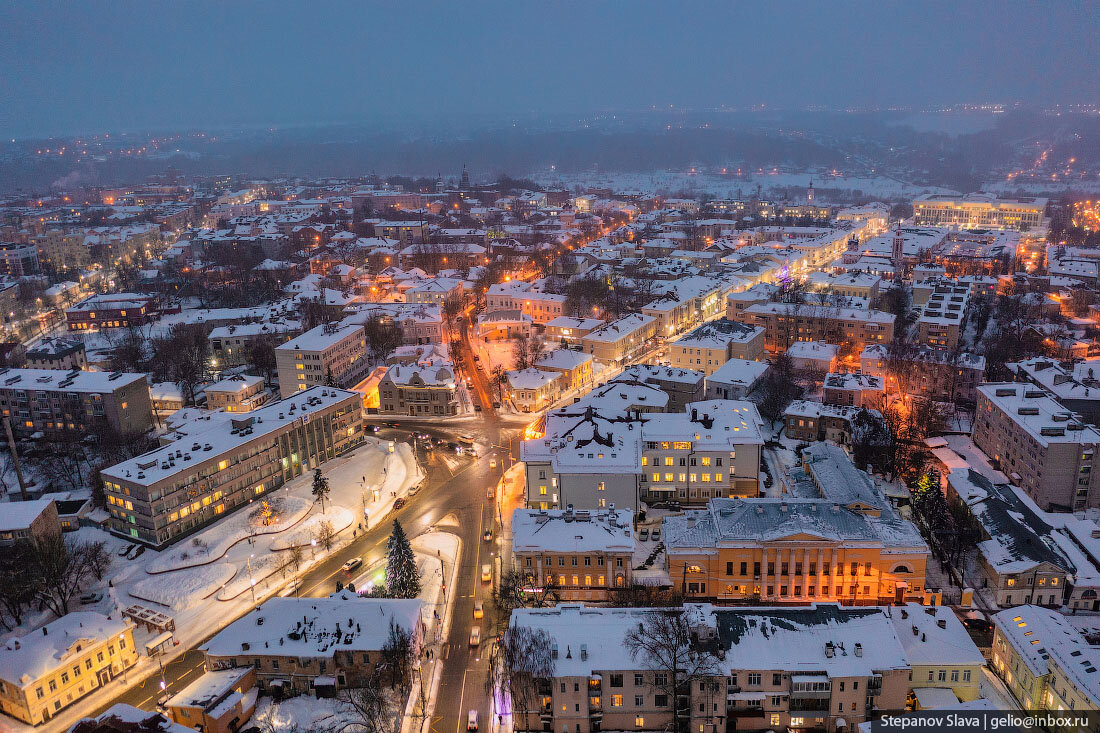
{"points": [[810, 192]]}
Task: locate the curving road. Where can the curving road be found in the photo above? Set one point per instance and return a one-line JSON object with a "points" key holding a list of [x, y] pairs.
{"points": [[455, 485]]}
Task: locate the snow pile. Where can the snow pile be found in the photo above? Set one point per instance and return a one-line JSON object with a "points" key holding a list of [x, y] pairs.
{"points": [[214, 542], [185, 588], [300, 536]]}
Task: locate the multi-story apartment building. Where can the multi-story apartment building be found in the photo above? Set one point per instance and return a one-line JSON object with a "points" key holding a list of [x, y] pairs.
{"points": [[620, 338], [220, 462], [592, 459], [810, 421], [1020, 558], [787, 323], [1078, 389], [290, 642], [335, 355], [978, 211], [55, 400], [854, 389], [569, 331], [1059, 673], [1040, 445], [735, 379], [18, 260], [574, 366], [517, 295], [822, 667], [419, 324], [583, 554], [58, 353], [938, 374], [51, 668], [61, 250], [943, 317], [418, 390], [687, 302], [712, 344], [114, 310], [238, 394], [230, 345], [939, 650]]}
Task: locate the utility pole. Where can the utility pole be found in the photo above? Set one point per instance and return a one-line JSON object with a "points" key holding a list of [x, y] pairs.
{"points": [[15, 459]]}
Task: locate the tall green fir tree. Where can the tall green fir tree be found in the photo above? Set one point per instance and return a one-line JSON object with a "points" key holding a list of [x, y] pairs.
{"points": [[402, 575]]}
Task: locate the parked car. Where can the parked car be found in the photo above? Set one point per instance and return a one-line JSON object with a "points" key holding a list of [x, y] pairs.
{"points": [[91, 598], [475, 636], [656, 536], [643, 535], [479, 609], [399, 502], [496, 405], [477, 408], [352, 564]]}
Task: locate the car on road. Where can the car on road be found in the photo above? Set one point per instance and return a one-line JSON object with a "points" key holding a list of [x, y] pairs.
{"points": [[477, 408], [477, 358], [488, 535], [492, 463], [471, 720], [428, 445], [496, 405], [466, 440], [475, 636], [472, 451], [375, 428], [399, 502], [486, 573], [479, 609], [352, 564], [91, 598]]}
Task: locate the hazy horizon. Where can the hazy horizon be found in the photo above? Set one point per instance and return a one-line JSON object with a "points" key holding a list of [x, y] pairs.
{"points": [[72, 69]]}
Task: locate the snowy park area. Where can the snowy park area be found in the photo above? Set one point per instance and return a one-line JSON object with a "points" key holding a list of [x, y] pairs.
{"points": [[203, 582]]}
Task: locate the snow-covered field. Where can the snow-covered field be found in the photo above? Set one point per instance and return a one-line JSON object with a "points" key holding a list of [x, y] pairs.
{"points": [[212, 543], [183, 589], [302, 534]]}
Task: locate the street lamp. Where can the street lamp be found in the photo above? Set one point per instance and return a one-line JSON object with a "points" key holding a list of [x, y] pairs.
{"points": [[251, 582]]}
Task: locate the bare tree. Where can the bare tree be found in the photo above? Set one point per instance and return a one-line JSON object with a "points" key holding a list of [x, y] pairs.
{"points": [[62, 568], [666, 643], [325, 534], [518, 590], [518, 665]]}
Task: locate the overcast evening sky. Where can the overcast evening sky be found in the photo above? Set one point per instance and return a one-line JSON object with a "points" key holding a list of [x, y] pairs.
{"points": [[90, 67]]}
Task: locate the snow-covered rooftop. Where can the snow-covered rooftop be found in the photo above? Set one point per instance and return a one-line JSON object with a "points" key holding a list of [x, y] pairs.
{"points": [[63, 380], [213, 434], [27, 658], [562, 530], [315, 627]]}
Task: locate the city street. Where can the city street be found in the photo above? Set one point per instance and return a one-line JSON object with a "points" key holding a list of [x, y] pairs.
{"points": [[456, 485]]}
